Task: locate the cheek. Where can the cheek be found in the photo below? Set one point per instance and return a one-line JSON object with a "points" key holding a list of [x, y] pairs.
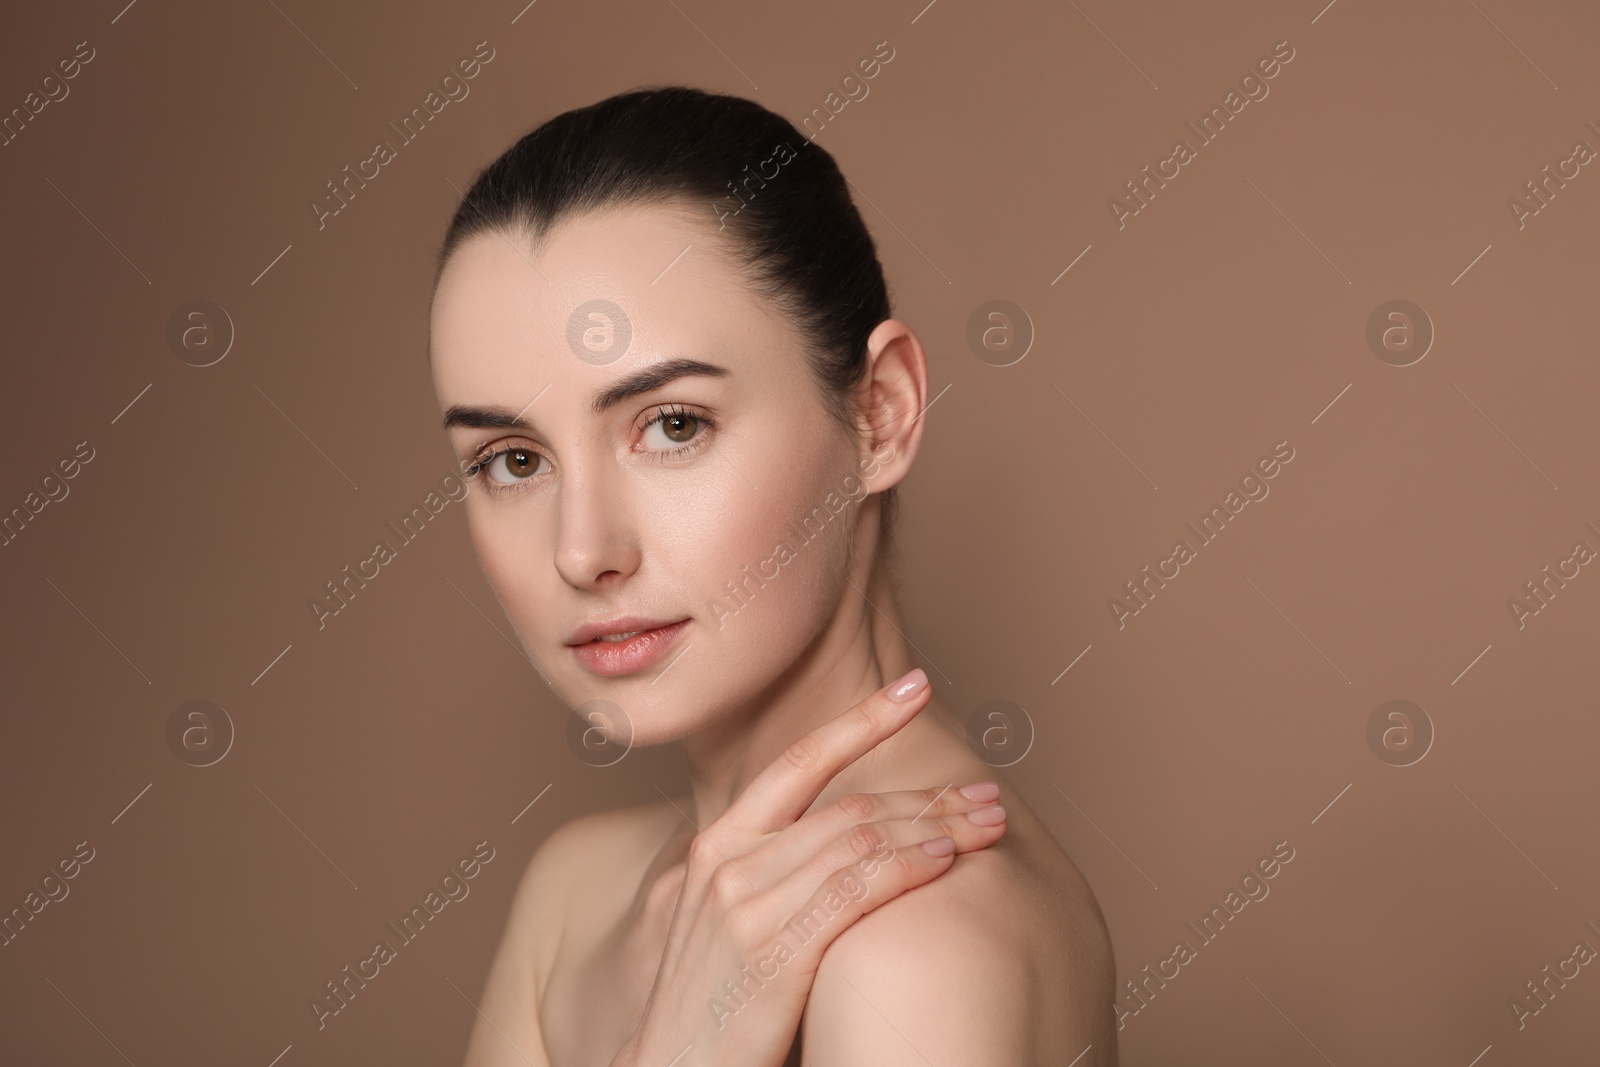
{"points": [[510, 562], [773, 570]]}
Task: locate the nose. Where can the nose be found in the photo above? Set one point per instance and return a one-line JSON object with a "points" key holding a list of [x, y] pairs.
{"points": [[597, 539]]}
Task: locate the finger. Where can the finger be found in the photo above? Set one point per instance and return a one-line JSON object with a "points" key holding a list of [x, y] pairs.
{"points": [[794, 844], [870, 853], [845, 895], [866, 846], [790, 784]]}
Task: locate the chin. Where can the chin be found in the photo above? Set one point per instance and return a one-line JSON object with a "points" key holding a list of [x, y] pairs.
{"points": [[656, 713]]}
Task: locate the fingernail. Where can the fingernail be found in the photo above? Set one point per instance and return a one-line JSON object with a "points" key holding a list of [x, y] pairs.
{"points": [[993, 815], [981, 792], [939, 846], [909, 686]]}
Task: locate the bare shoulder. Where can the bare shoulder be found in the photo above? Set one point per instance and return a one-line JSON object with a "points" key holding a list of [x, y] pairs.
{"points": [[604, 847], [610, 838], [1004, 959], [506, 1030]]}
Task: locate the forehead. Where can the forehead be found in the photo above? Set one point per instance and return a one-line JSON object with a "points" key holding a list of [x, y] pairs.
{"points": [[505, 319]]}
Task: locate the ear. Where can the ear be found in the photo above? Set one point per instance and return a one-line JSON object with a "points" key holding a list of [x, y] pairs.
{"points": [[891, 403]]}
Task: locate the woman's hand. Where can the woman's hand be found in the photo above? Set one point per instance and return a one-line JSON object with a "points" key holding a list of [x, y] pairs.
{"points": [[768, 887]]}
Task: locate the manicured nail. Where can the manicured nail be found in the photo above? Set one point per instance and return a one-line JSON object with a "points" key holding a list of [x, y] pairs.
{"points": [[909, 686], [993, 815], [981, 792], [939, 846]]}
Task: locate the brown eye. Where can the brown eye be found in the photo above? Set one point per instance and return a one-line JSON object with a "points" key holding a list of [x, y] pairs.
{"points": [[677, 427], [513, 465]]}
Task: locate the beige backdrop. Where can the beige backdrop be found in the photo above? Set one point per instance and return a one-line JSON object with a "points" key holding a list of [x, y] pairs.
{"points": [[1442, 849]]}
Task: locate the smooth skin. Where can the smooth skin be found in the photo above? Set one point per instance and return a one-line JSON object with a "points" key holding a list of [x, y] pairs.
{"points": [[627, 923], [764, 862]]}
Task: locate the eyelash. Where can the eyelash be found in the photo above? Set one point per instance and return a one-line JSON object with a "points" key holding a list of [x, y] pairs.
{"points": [[661, 455]]}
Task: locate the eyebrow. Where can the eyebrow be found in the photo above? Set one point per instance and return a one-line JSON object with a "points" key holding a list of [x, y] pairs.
{"points": [[647, 380]]}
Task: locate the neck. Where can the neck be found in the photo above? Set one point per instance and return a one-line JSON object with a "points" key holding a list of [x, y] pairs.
{"points": [[861, 650]]}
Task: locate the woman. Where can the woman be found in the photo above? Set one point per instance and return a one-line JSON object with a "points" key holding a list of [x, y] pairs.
{"points": [[662, 342]]}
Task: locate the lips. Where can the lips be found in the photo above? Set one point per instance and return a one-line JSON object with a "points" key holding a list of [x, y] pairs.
{"points": [[629, 655], [622, 624]]}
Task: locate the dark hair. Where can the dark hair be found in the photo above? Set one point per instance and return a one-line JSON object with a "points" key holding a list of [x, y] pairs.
{"points": [[796, 231]]}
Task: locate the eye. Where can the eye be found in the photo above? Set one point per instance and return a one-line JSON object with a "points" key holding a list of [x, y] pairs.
{"points": [[674, 430], [511, 465]]}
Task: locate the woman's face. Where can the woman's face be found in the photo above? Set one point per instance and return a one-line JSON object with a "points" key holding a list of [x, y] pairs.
{"points": [[682, 499]]}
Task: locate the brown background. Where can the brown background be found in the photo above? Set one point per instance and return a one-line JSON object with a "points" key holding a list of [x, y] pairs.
{"points": [[1224, 318]]}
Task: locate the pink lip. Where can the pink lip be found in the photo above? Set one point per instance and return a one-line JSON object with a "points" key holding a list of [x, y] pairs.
{"points": [[611, 659], [620, 625]]}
